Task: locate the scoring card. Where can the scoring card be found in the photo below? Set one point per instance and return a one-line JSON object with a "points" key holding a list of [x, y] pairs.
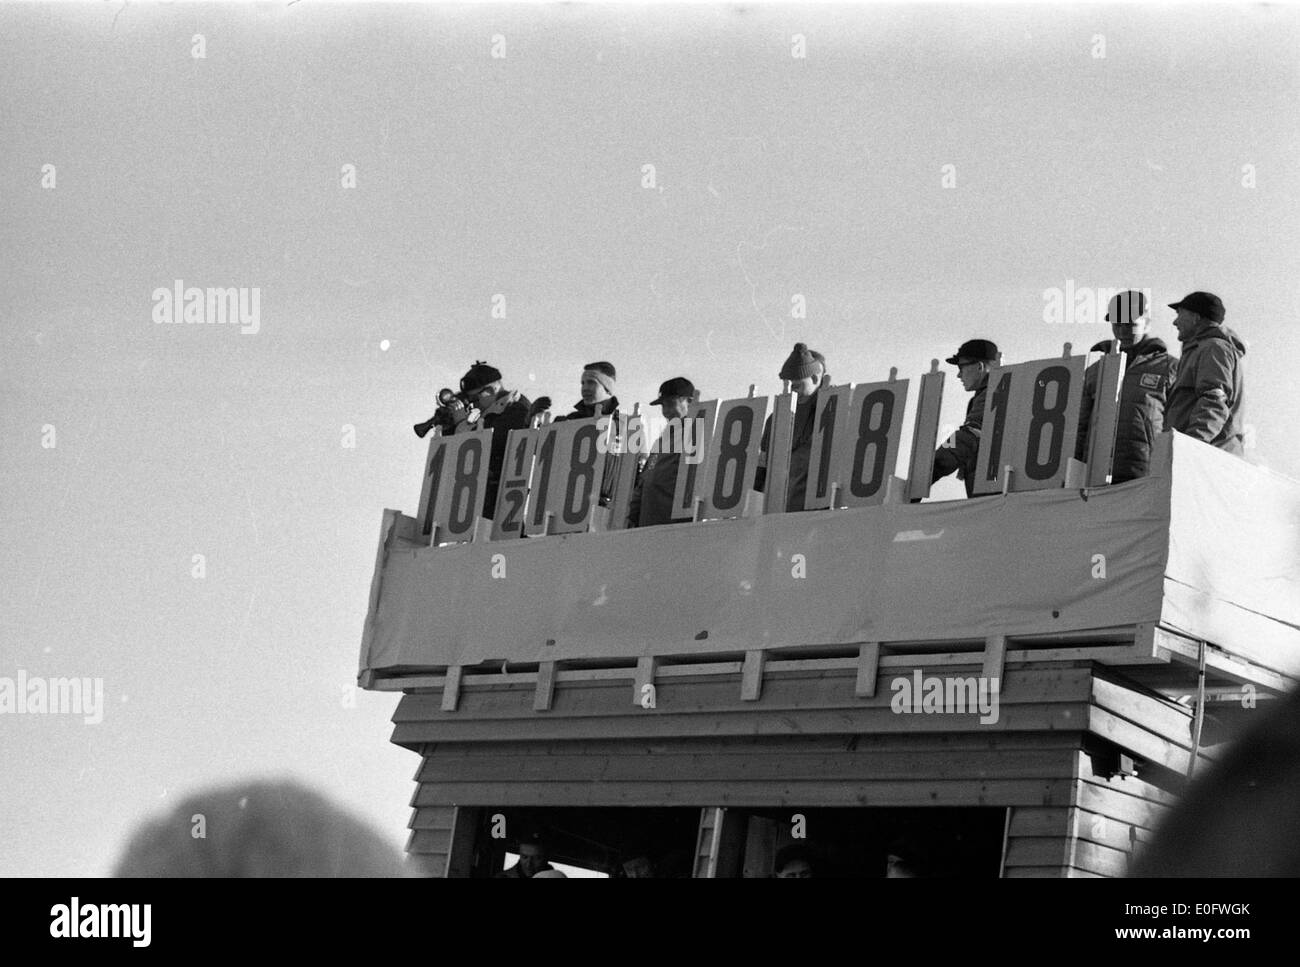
{"points": [[868, 451], [516, 475], [828, 436], [455, 480], [733, 456], [567, 473], [692, 477], [1031, 418]]}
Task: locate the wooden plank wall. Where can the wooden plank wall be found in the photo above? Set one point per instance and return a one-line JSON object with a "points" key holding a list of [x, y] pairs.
{"points": [[809, 741], [429, 843], [441, 842], [1033, 699], [1094, 837], [866, 770]]}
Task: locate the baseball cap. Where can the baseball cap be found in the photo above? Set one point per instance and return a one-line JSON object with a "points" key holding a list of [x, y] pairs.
{"points": [[1205, 304], [677, 386], [974, 351]]}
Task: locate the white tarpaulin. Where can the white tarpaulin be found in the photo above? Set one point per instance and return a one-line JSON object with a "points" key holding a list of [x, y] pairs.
{"points": [[1028, 563], [1233, 576]]}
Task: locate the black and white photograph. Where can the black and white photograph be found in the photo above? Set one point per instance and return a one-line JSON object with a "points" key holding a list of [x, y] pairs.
{"points": [[613, 440]]}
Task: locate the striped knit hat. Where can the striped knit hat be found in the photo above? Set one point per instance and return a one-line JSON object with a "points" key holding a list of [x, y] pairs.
{"points": [[801, 363]]}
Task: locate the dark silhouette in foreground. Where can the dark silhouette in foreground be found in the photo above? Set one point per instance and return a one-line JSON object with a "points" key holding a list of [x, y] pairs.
{"points": [[257, 829], [1242, 817]]}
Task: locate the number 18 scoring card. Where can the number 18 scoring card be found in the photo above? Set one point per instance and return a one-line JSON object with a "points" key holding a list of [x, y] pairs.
{"points": [[1031, 419]]}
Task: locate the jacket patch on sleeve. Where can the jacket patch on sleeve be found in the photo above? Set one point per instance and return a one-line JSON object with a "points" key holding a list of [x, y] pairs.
{"points": [[1151, 380]]}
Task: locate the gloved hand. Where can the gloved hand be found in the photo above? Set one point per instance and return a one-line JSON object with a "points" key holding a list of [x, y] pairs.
{"points": [[540, 405], [462, 415]]}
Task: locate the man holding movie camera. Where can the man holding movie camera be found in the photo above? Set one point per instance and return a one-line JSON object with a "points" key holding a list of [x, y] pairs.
{"points": [[483, 403]]}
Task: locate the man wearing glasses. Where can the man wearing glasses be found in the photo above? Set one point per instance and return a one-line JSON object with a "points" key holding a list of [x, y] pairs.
{"points": [[499, 410]]}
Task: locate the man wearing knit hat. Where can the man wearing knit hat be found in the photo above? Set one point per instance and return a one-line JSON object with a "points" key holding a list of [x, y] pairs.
{"points": [[598, 393], [599, 399], [1205, 400], [804, 368], [500, 410]]}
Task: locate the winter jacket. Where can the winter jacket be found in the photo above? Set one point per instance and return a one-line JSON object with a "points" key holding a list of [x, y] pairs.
{"points": [[509, 411], [609, 407], [652, 500], [1205, 401], [961, 451], [805, 415], [1149, 373], [585, 411]]}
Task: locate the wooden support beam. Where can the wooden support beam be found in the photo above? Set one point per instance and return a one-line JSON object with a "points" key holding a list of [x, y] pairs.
{"points": [[1144, 640], [896, 490], [1008, 472], [451, 689], [545, 687], [778, 454], [406, 528], [405, 683], [868, 669], [1104, 418], [733, 831], [751, 676], [995, 651], [625, 468], [387, 529], [645, 675], [1006, 842], [460, 850], [722, 843], [1076, 474], [761, 837], [925, 433], [1180, 648]]}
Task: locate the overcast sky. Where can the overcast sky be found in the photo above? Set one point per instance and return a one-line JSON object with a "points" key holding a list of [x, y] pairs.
{"points": [[522, 176]]}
